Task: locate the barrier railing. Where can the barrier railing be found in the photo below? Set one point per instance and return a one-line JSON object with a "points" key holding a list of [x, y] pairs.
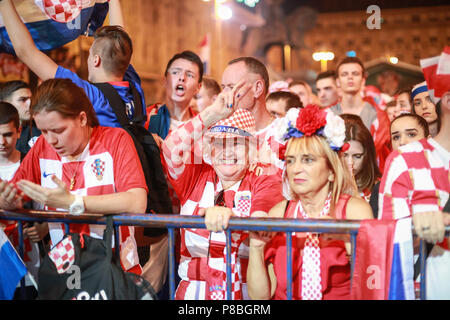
{"points": [[172, 222]]}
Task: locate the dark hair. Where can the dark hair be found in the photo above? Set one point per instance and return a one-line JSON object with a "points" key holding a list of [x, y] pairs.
{"points": [[8, 88], [326, 74], [64, 97], [420, 121], [292, 100], [438, 112], [356, 130], [255, 66], [404, 90], [190, 56], [114, 46], [351, 60], [211, 86], [9, 113]]}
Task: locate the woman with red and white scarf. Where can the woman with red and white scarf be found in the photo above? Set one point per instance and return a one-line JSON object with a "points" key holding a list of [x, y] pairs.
{"points": [[207, 159], [316, 185]]}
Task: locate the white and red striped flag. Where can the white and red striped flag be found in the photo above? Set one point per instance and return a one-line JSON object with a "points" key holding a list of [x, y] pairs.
{"points": [[436, 71], [205, 53]]}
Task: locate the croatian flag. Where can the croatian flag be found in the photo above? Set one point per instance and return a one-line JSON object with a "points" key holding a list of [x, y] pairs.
{"points": [[384, 264], [436, 71], [205, 53], [53, 23], [12, 268]]}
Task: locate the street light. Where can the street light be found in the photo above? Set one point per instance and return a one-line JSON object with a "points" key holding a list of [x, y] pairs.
{"points": [[323, 57], [222, 11], [393, 60]]}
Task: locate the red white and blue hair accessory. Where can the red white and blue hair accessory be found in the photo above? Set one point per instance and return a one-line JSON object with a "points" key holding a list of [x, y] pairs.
{"points": [[419, 88], [312, 120]]}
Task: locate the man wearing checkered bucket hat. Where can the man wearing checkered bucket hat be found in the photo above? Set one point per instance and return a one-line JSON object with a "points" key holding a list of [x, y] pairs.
{"points": [[217, 185]]}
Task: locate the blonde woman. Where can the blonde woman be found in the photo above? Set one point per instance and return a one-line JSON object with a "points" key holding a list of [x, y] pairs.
{"points": [[316, 185]]}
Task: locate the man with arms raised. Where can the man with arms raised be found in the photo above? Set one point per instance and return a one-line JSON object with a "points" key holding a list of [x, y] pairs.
{"points": [[108, 61]]}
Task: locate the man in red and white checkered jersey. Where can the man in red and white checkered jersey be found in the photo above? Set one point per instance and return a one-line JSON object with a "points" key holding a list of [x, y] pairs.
{"points": [[78, 165], [182, 80], [219, 187], [416, 183]]}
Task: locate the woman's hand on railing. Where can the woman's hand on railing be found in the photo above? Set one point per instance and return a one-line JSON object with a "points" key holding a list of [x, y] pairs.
{"points": [[216, 218], [258, 239]]}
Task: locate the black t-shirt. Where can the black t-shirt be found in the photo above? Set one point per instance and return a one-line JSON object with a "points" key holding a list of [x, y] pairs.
{"points": [[23, 142]]}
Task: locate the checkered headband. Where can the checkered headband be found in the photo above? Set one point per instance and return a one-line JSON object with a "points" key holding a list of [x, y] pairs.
{"points": [[241, 123]]}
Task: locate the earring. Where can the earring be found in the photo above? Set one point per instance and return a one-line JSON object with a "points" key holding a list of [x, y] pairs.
{"points": [[331, 177]]}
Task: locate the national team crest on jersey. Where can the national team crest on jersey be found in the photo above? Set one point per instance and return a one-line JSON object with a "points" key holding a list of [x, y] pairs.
{"points": [[98, 167], [63, 10], [243, 201], [63, 255]]}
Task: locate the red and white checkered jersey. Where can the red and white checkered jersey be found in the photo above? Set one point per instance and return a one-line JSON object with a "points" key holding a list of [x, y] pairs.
{"points": [[416, 180], [202, 267], [62, 10], [108, 164]]}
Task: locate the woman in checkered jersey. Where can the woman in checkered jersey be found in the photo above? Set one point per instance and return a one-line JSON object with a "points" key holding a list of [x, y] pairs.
{"points": [[79, 166], [316, 185], [207, 160]]}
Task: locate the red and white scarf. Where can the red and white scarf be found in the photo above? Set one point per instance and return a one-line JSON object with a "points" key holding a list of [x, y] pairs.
{"points": [[311, 278]]}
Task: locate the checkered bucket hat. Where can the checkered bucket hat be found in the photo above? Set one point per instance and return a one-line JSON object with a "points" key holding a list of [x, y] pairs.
{"points": [[240, 123]]}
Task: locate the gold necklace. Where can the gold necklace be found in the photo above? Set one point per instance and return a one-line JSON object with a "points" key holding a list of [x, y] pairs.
{"points": [[72, 180]]}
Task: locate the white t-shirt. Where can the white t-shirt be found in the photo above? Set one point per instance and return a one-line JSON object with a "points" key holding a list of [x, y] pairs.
{"points": [[7, 172]]}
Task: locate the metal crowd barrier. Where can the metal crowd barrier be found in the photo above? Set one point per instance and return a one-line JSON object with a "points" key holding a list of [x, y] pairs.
{"points": [[172, 222]]}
